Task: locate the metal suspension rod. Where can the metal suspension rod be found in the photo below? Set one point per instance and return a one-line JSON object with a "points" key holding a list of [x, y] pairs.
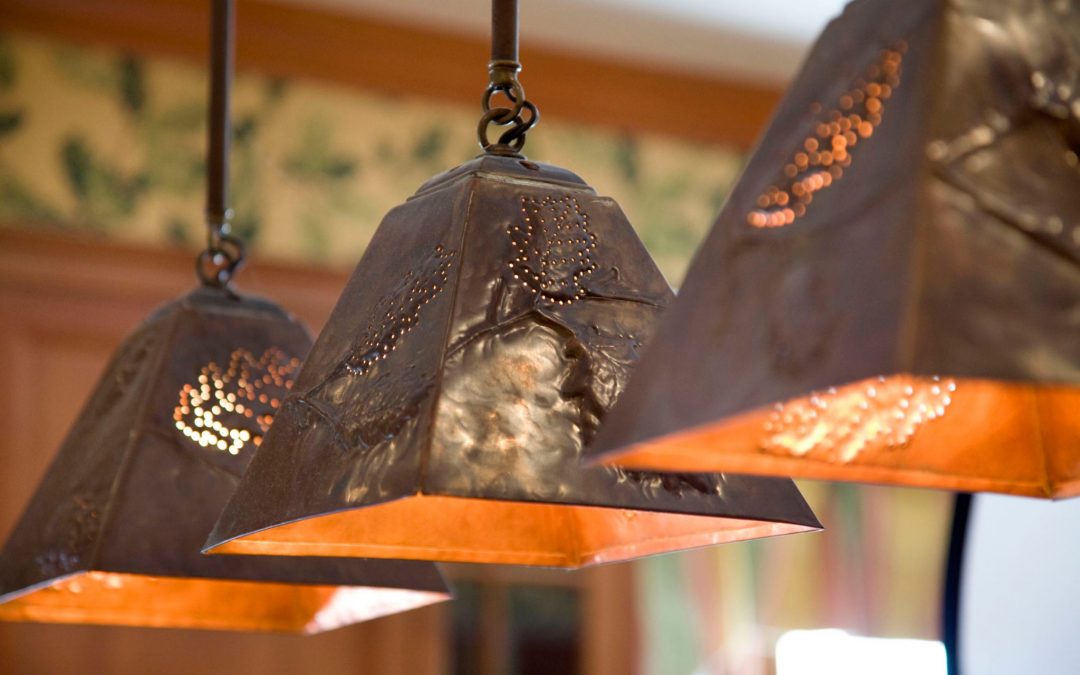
{"points": [[217, 160], [954, 571], [504, 30]]}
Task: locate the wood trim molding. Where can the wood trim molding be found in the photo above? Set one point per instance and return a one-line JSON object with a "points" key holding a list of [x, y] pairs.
{"points": [[36, 265], [374, 54]]}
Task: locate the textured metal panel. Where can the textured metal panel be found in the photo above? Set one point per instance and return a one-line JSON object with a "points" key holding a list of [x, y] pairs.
{"points": [[1000, 262], [491, 323], [113, 533], [910, 211]]}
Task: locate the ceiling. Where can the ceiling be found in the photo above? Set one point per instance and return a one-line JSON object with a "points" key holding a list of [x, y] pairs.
{"points": [[762, 40]]}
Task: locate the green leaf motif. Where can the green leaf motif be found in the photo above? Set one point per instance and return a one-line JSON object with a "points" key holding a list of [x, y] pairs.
{"points": [[132, 85], [625, 158], [314, 161], [10, 121], [7, 65], [77, 166], [275, 89], [244, 129], [430, 145], [176, 231], [105, 195]]}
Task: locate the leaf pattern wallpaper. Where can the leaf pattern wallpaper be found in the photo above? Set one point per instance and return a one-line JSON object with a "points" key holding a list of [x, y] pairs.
{"points": [[93, 139]]}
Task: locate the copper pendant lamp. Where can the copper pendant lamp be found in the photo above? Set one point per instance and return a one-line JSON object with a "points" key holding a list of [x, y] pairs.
{"points": [[892, 292], [113, 533], [492, 321]]}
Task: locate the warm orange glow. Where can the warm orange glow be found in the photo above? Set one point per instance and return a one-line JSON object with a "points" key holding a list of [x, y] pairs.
{"points": [[211, 412], [167, 602], [971, 435], [884, 413], [813, 167], [458, 529]]}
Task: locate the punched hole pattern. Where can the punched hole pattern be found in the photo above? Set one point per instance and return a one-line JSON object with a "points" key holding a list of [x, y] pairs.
{"points": [[228, 408], [398, 312], [827, 152], [839, 424], [553, 248]]}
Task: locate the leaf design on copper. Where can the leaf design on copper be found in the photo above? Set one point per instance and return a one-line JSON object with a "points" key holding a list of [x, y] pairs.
{"points": [[231, 407], [398, 312], [553, 248], [75, 525], [827, 151]]}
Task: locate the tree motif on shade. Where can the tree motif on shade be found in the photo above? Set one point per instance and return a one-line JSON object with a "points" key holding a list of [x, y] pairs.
{"points": [[398, 312], [553, 247], [227, 409], [74, 527]]}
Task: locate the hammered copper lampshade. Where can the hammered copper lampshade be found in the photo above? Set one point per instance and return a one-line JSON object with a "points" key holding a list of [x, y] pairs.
{"points": [[442, 413], [892, 292], [492, 321], [113, 533]]}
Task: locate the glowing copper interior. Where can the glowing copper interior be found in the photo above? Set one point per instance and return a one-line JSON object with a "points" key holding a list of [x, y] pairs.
{"points": [[972, 435], [884, 413], [167, 602], [457, 529]]}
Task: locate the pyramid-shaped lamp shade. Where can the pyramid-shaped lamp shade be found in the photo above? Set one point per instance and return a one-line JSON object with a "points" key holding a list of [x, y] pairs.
{"points": [[442, 413], [892, 292], [113, 533]]}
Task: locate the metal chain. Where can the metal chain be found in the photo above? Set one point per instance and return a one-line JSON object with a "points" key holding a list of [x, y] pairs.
{"points": [[512, 140]]}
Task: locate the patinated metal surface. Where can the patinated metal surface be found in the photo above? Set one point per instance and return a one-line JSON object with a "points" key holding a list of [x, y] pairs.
{"points": [[910, 213], [493, 320], [113, 533]]}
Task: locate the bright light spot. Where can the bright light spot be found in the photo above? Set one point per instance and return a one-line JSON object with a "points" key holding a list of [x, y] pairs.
{"points": [[835, 652]]}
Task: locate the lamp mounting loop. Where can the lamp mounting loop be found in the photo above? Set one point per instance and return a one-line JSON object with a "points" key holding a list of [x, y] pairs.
{"points": [[503, 72], [224, 253]]}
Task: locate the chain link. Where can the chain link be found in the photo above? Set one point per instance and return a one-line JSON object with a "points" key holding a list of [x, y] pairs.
{"points": [[504, 80]]}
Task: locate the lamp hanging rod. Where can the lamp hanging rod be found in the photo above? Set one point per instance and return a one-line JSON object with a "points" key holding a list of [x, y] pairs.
{"points": [[504, 30], [219, 140]]}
